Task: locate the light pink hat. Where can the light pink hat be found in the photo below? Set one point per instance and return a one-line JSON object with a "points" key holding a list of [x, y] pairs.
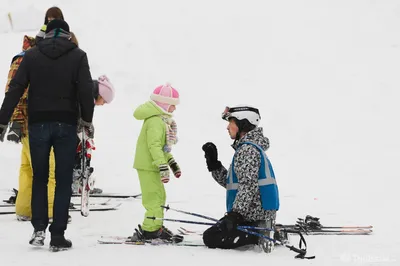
{"points": [[106, 89], [165, 96]]}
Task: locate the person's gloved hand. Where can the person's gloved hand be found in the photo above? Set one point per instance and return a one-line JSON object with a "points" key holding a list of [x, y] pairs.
{"points": [[87, 128], [230, 221], [211, 155], [3, 130], [164, 173], [15, 132], [175, 168]]}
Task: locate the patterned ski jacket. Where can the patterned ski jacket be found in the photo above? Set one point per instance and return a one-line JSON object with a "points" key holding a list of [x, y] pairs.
{"points": [[152, 139], [247, 161], [20, 113]]}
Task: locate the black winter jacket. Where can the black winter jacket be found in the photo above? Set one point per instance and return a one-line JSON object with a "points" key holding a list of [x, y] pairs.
{"points": [[59, 80]]}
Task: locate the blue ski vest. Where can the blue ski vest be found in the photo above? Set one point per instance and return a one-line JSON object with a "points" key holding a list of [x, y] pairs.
{"points": [[266, 182]]}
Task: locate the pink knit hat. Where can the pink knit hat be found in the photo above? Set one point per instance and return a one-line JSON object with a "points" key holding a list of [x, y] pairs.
{"points": [[165, 96], [106, 89]]}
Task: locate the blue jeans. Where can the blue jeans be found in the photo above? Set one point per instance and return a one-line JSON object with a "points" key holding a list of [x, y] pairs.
{"points": [[62, 137]]}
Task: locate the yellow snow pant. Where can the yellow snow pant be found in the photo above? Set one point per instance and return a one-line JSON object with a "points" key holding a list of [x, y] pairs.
{"points": [[23, 204], [153, 196]]}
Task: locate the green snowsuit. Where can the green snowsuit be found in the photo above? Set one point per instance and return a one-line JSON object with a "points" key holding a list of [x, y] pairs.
{"points": [[149, 155]]}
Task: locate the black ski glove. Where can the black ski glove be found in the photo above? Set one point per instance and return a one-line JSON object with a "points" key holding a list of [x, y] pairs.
{"points": [[3, 130], [15, 132], [230, 221], [211, 155]]}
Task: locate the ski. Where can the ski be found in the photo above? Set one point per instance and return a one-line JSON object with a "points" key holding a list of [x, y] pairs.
{"points": [[111, 195], [86, 172], [73, 204], [75, 208], [338, 232], [356, 231], [107, 207], [328, 227], [154, 242], [184, 231], [311, 225], [332, 227]]}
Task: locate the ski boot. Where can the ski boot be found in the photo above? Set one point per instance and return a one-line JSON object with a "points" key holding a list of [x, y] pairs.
{"points": [[37, 238], [312, 222], [58, 243], [267, 245], [163, 234], [12, 199], [282, 236], [96, 191], [23, 218]]}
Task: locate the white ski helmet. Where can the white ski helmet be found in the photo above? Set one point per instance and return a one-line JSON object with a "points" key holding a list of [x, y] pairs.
{"points": [[242, 112]]}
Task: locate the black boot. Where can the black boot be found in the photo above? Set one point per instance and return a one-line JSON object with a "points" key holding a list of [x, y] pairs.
{"points": [[58, 243]]}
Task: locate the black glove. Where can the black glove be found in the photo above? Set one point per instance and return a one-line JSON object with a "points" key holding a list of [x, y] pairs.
{"points": [[3, 130], [230, 221], [211, 155], [15, 132]]}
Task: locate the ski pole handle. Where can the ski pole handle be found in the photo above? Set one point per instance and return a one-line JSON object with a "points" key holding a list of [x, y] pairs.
{"points": [[302, 252]]}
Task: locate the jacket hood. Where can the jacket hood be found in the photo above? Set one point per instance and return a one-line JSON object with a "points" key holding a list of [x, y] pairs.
{"points": [[28, 43], [255, 136], [56, 46], [147, 110]]}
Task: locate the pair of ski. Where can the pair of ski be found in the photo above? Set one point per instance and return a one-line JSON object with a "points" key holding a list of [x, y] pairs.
{"points": [[331, 230], [152, 242], [72, 205], [96, 207], [111, 195], [138, 238], [84, 177], [86, 180], [311, 226]]}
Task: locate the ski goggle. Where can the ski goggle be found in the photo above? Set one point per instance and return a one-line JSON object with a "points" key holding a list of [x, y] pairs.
{"points": [[227, 113]]}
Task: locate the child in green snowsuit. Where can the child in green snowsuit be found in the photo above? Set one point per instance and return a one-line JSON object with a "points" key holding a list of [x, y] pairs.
{"points": [[153, 156]]}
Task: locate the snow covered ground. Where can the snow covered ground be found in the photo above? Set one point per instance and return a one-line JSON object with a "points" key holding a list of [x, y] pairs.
{"points": [[324, 75]]}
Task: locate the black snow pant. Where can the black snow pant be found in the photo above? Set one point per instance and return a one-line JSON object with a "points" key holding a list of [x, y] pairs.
{"points": [[62, 137], [215, 237]]}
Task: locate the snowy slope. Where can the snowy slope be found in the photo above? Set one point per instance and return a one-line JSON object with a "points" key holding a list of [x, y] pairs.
{"points": [[323, 74]]}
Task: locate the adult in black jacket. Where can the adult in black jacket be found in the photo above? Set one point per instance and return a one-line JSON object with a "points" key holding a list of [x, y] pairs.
{"points": [[60, 87]]}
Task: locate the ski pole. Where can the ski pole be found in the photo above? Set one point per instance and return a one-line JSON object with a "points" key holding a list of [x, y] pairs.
{"points": [[255, 228], [301, 252], [213, 219], [180, 221], [190, 213]]}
